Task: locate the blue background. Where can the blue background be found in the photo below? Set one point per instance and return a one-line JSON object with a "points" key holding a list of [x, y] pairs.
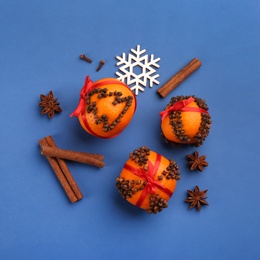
{"points": [[40, 43]]}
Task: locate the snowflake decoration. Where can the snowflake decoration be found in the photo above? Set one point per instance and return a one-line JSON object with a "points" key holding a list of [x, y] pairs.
{"points": [[137, 69]]}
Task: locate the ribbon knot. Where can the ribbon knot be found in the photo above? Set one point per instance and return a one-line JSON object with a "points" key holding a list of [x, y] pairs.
{"points": [[148, 176], [151, 186], [150, 183], [81, 106], [182, 105]]}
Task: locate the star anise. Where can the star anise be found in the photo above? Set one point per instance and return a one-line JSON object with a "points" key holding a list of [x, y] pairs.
{"points": [[196, 161], [197, 198], [49, 104]]}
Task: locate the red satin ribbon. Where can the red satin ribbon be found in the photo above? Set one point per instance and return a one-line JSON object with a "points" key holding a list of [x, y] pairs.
{"points": [[181, 105], [81, 108], [151, 185]]}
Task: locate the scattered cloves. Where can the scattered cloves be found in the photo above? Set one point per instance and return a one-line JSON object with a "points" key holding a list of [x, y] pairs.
{"points": [[101, 64], [84, 57]]}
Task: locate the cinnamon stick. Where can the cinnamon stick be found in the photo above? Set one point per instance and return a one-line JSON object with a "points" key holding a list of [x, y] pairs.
{"points": [[179, 77], [88, 158], [62, 172]]}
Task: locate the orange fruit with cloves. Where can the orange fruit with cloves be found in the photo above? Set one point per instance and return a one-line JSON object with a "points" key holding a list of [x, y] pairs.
{"points": [[106, 107], [186, 120]]}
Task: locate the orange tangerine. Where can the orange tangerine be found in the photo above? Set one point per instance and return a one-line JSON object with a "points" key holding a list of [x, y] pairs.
{"points": [[148, 180], [186, 120], [106, 108]]}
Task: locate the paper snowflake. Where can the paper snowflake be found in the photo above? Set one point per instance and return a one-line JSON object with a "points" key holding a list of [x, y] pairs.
{"points": [[137, 69]]}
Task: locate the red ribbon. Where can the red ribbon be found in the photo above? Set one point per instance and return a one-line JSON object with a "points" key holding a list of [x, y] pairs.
{"points": [[148, 176], [182, 105], [84, 91]]}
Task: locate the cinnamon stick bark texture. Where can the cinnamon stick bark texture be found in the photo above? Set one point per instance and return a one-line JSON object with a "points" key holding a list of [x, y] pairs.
{"points": [[88, 158], [179, 77], [62, 172]]}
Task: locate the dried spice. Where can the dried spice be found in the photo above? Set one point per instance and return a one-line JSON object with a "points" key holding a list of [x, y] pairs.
{"points": [[101, 64], [127, 188], [49, 104], [171, 172], [62, 172], [140, 156], [179, 77], [103, 93], [156, 204], [88, 158], [197, 198], [85, 58], [197, 162]]}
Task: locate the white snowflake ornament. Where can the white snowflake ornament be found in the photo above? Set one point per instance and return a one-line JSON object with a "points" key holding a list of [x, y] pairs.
{"points": [[137, 69]]}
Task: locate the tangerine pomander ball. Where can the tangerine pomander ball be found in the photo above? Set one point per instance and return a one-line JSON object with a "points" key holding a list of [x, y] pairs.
{"points": [[148, 180], [186, 120], [106, 107]]}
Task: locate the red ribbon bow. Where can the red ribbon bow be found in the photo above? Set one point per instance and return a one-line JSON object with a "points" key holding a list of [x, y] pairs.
{"points": [[182, 105], [86, 88], [151, 184]]}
